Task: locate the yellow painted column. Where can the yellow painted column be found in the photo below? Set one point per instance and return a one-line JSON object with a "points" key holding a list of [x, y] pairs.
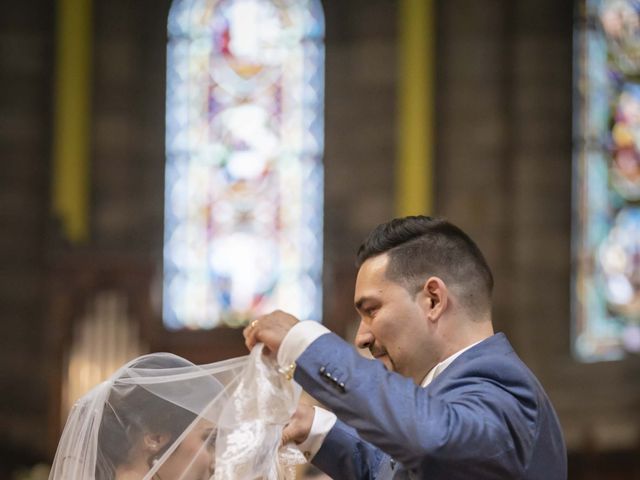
{"points": [[71, 117], [414, 162]]}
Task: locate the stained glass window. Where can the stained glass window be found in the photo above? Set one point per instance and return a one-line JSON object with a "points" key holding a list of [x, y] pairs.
{"points": [[606, 281], [244, 177]]}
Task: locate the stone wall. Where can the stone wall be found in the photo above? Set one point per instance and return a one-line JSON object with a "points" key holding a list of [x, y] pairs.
{"points": [[26, 30]]}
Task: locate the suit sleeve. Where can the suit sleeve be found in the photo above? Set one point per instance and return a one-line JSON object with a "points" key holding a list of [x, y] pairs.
{"points": [[475, 421], [345, 456]]}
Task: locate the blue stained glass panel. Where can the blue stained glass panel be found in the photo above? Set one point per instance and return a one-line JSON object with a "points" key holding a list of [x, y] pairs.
{"points": [[244, 176], [606, 231]]}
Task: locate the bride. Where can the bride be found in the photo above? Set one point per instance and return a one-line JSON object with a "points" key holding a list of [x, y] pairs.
{"points": [[160, 417]]}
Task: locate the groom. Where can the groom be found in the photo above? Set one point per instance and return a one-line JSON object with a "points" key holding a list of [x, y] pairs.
{"points": [[444, 397]]}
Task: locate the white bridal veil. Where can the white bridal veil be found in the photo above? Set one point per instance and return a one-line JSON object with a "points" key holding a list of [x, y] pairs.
{"points": [[161, 417]]}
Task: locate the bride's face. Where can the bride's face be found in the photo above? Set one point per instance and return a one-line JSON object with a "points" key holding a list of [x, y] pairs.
{"points": [[194, 458]]}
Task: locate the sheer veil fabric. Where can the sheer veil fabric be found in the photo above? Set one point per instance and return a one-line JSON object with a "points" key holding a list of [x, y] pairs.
{"points": [[161, 417]]}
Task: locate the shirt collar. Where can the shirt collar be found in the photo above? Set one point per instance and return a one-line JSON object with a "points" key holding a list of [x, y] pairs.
{"points": [[439, 368]]}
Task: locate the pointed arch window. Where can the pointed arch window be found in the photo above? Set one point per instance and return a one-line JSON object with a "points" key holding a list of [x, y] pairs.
{"points": [[606, 240], [244, 176]]}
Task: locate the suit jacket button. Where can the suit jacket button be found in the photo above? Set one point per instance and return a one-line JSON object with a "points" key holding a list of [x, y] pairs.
{"points": [[322, 369], [341, 385]]}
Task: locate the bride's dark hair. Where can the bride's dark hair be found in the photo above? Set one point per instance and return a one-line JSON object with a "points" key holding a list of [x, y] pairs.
{"points": [[133, 411]]}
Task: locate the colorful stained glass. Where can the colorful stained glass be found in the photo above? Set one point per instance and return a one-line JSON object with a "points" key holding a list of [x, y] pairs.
{"points": [[244, 177], [606, 283]]}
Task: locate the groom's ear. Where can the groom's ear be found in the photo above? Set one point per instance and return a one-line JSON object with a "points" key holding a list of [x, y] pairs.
{"points": [[435, 298]]}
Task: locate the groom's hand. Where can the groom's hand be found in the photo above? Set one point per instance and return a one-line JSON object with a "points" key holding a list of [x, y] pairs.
{"points": [[270, 330], [297, 430]]}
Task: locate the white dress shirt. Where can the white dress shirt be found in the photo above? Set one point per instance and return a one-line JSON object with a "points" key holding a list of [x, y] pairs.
{"points": [[295, 343]]}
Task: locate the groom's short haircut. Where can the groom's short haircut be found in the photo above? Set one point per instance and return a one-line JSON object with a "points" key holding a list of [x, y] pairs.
{"points": [[420, 247]]}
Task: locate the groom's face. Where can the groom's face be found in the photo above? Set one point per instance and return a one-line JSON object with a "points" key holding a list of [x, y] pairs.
{"points": [[393, 324]]}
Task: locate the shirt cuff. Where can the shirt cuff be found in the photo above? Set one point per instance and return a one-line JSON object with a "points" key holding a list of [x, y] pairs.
{"points": [[297, 340], [323, 422]]}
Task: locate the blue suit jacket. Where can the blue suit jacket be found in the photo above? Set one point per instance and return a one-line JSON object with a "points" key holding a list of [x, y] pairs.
{"points": [[484, 417]]}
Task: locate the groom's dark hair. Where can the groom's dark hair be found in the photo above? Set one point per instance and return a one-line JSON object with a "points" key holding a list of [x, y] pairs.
{"points": [[421, 246]]}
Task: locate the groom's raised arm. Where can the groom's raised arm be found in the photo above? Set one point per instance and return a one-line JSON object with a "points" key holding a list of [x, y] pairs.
{"points": [[392, 413]]}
